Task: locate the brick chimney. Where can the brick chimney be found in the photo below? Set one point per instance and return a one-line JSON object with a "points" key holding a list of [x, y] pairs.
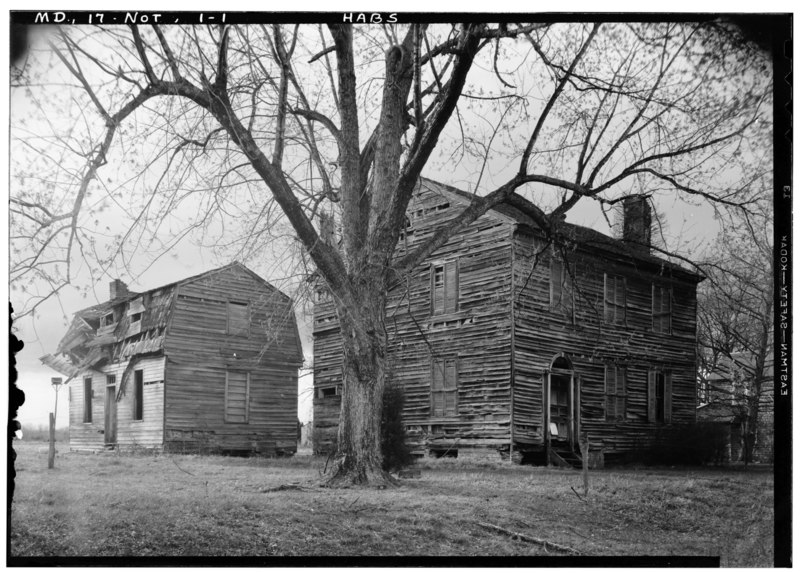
{"points": [[637, 221], [117, 289]]}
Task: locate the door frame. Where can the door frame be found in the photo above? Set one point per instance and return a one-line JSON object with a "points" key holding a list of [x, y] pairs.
{"points": [[110, 414], [574, 416]]}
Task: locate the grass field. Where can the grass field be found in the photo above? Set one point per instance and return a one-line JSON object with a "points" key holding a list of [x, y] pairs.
{"points": [[170, 505]]}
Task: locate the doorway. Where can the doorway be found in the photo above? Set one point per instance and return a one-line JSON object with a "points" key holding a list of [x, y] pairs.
{"points": [[110, 430], [561, 408]]}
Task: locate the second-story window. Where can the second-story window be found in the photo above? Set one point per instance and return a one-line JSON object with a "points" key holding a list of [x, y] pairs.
{"points": [[614, 303], [238, 319], [662, 309], [444, 287], [561, 291]]}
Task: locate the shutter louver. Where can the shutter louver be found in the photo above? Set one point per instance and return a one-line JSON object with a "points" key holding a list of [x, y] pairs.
{"points": [[651, 396], [451, 286]]}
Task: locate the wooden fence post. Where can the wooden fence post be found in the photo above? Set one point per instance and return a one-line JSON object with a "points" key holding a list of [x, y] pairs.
{"points": [[584, 445], [51, 458]]}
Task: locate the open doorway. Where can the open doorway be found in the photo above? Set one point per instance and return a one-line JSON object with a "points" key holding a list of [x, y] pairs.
{"points": [[562, 407]]}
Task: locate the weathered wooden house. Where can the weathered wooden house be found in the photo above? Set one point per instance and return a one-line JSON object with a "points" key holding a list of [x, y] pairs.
{"points": [[208, 364], [506, 342]]}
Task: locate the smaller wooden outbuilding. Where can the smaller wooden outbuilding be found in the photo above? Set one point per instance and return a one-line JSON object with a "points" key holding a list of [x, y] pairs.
{"points": [[205, 364]]}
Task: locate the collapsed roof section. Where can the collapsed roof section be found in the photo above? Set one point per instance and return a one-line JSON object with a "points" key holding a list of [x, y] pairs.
{"points": [[118, 329], [126, 327]]}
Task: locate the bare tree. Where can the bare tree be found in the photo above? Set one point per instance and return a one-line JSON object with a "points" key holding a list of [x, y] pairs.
{"points": [[736, 326], [301, 120]]}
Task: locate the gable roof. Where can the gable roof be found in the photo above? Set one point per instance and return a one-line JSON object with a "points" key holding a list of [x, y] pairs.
{"points": [[584, 237]]}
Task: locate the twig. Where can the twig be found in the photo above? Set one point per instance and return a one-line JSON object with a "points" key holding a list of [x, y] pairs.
{"points": [[180, 468], [576, 493], [529, 539]]}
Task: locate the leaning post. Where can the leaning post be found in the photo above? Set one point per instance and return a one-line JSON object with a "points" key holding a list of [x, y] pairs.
{"points": [[51, 457], [584, 445]]}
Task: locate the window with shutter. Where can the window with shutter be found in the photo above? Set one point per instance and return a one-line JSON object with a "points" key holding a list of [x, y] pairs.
{"points": [[556, 284], [444, 287], [616, 392], [615, 299], [237, 397], [662, 309], [138, 394], [87, 400], [562, 293], [238, 319], [444, 387]]}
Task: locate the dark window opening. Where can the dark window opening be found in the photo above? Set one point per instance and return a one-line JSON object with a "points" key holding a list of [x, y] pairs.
{"points": [[108, 319], [136, 317], [138, 394], [329, 392], [87, 400], [660, 395]]}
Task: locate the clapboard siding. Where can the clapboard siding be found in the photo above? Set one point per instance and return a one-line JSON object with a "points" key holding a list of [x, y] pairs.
{"points": [[477, 333], [504, 317], [186, 337], [81, 434], [147, 432], [542, 332], [196, 411], [201, 347]]}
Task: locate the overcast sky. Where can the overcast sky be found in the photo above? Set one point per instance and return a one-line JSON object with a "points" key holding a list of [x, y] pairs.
{"points": [[689, 228]]}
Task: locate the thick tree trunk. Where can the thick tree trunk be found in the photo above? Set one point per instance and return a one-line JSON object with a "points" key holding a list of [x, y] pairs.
{"points": [[358, 459]]}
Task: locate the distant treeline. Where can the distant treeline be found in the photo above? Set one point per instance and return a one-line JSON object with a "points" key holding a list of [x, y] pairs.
{"points": [[42, 433]]}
